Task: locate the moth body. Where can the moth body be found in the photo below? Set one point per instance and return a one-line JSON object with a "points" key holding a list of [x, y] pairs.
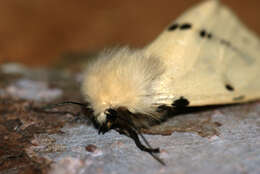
{"points": [[207, 56]]}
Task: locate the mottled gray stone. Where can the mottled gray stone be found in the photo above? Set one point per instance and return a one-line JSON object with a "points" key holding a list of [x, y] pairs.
{"points": [[235, 150], [196, 145]]}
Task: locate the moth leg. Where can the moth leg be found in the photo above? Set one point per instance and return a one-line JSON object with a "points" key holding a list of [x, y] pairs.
{"points": [[104, 127], [133, 135]]}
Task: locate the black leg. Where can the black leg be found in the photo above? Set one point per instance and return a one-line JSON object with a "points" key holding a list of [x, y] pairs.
{"points": [[151, 151], [134, 136]]}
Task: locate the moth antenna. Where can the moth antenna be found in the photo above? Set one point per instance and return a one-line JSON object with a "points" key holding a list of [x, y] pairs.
{"points": [[65, 103]]}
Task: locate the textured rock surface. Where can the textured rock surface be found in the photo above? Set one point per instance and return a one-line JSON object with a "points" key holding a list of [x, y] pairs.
{"points": [[214, 140]]}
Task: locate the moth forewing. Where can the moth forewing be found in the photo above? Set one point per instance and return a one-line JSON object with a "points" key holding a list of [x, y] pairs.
{"points": [[214, 61]]}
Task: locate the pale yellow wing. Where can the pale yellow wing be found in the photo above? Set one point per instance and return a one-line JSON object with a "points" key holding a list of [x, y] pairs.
{"points": [[210, 58]]}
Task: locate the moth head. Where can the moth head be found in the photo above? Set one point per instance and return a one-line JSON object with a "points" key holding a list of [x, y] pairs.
{"points": [[109, 118], [121, 78], [119, 119]]}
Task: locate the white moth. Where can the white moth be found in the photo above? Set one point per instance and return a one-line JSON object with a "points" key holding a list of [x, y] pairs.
{"points": [[204, 57]]}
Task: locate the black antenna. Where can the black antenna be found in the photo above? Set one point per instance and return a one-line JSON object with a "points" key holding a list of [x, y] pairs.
{"points": [[64, 103]]}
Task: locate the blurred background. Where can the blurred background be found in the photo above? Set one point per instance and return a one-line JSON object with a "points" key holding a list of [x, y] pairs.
{"points": [[39, 32]]}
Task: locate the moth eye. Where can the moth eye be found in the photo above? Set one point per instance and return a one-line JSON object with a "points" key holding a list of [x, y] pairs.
{"points": [[111, 114]]}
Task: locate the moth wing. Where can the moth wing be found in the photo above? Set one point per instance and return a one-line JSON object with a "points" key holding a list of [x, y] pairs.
{"points": [[214, 61]]}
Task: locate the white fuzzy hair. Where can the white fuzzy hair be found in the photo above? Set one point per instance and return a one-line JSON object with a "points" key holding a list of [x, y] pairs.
{"points": [[121, 77]]}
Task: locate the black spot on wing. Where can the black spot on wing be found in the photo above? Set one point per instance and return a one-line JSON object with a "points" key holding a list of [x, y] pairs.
{"points": [[181, 103], [185, 26], [204, 33], [173, 27], [229, 87]]}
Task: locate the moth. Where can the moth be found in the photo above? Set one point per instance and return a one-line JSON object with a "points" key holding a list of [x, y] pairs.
{"points": [[204, 57]]}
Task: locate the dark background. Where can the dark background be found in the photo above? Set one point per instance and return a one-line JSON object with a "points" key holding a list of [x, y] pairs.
{"points": [[37, 32]]}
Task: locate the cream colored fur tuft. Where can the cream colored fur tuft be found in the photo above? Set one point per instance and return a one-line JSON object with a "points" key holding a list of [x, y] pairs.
{"points": [[122, 77]]}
